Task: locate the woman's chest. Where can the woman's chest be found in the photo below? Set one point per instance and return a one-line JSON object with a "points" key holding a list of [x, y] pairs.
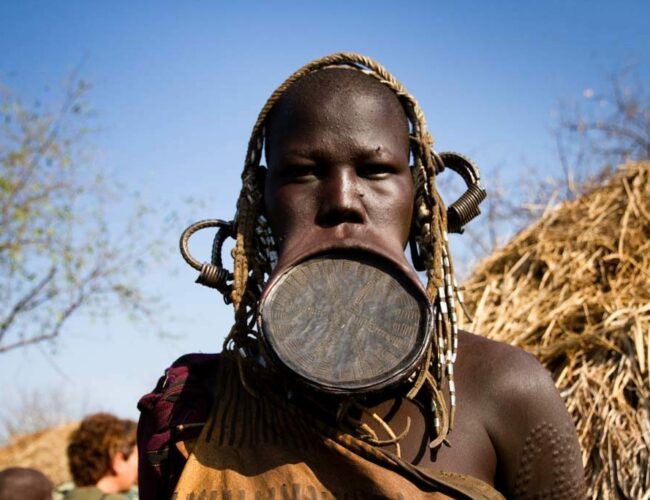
{"points": [[468, 449]]}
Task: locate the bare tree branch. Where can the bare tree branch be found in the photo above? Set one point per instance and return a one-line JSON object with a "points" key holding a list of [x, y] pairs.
{"points": [[604, 131], [53, 223], [23, 303]]}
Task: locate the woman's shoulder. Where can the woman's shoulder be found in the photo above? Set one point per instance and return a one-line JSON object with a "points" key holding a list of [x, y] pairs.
{"points": [[501, 371], [524, 416]]}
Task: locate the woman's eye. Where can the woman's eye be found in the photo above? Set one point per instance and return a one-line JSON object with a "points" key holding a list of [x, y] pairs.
{"points": [[300, 171], [375, 171]]}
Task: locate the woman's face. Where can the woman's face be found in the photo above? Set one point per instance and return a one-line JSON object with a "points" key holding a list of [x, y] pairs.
{"points": [[338, 169]]}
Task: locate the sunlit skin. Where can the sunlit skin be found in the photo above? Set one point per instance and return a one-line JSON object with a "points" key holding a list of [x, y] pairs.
{"points": [[338, 169], [123, 475], [340, 176]]}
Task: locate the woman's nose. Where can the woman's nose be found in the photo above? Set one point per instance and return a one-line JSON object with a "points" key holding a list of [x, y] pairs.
{"points": [[340, 199]]}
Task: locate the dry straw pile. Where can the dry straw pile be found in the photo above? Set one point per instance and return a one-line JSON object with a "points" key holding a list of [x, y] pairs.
{"points": [[44, 450], [574, 290]]}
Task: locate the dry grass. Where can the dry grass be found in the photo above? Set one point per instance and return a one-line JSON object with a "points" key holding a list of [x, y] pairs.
{"points": [[574, 289], [43, 450]]}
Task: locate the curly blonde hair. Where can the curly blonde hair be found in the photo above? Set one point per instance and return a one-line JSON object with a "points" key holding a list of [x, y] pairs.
{"points": [[94, 444]]}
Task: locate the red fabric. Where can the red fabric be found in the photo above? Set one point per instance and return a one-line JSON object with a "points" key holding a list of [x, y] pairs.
{"points": [[181, 396]]}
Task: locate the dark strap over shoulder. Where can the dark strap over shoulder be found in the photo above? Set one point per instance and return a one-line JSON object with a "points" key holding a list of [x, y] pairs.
{"points": [[455, 485], [471, 487]]}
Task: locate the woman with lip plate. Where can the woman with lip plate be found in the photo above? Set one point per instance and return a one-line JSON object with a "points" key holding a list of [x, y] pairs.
{"points": [[343, 375]]}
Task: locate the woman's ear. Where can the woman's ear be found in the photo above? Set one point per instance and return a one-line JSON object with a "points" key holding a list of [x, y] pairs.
{"points": [[416, 255]]}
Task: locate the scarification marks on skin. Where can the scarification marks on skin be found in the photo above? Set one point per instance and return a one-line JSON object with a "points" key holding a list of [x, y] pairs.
{"points": [[547, 453]]}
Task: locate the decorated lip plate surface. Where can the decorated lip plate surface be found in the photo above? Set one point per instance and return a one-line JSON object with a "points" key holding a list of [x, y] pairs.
{"points": [[344, 323]]}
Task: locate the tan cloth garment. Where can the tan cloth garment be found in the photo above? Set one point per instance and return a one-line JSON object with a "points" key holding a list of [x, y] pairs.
{"points": [[266, 448]]}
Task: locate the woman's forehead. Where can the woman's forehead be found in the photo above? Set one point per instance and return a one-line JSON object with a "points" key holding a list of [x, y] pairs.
{"points": [[332, 85], [337, 103], [341, 130]]}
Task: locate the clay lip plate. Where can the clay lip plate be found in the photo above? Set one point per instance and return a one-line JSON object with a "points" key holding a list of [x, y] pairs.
{"points": [[346, 323]]}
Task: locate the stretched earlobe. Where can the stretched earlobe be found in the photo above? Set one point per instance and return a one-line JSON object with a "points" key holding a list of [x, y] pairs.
{"points": [[212, 274], [416, 255], [465, 208]]}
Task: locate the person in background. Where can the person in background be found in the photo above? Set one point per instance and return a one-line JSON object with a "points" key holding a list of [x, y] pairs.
{"points": [[103, 459], [21, 483]]}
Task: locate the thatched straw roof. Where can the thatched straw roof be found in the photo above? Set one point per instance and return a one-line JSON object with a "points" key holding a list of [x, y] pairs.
{"points": [[44, 450], [574, 290]]}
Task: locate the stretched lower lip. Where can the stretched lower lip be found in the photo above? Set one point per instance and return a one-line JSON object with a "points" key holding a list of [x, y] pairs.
{"points": [[343, 237], [338, 244]]}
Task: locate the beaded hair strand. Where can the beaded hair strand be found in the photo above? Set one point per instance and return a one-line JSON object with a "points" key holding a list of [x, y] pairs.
{"points": [[254, 251]]}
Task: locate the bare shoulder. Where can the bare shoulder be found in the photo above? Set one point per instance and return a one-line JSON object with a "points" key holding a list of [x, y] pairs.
{"points": [[512, 388], [532, 433], [497, 370]]}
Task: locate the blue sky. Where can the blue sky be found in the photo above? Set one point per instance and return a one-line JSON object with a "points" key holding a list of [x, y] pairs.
{"points": [[177, 87]]}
